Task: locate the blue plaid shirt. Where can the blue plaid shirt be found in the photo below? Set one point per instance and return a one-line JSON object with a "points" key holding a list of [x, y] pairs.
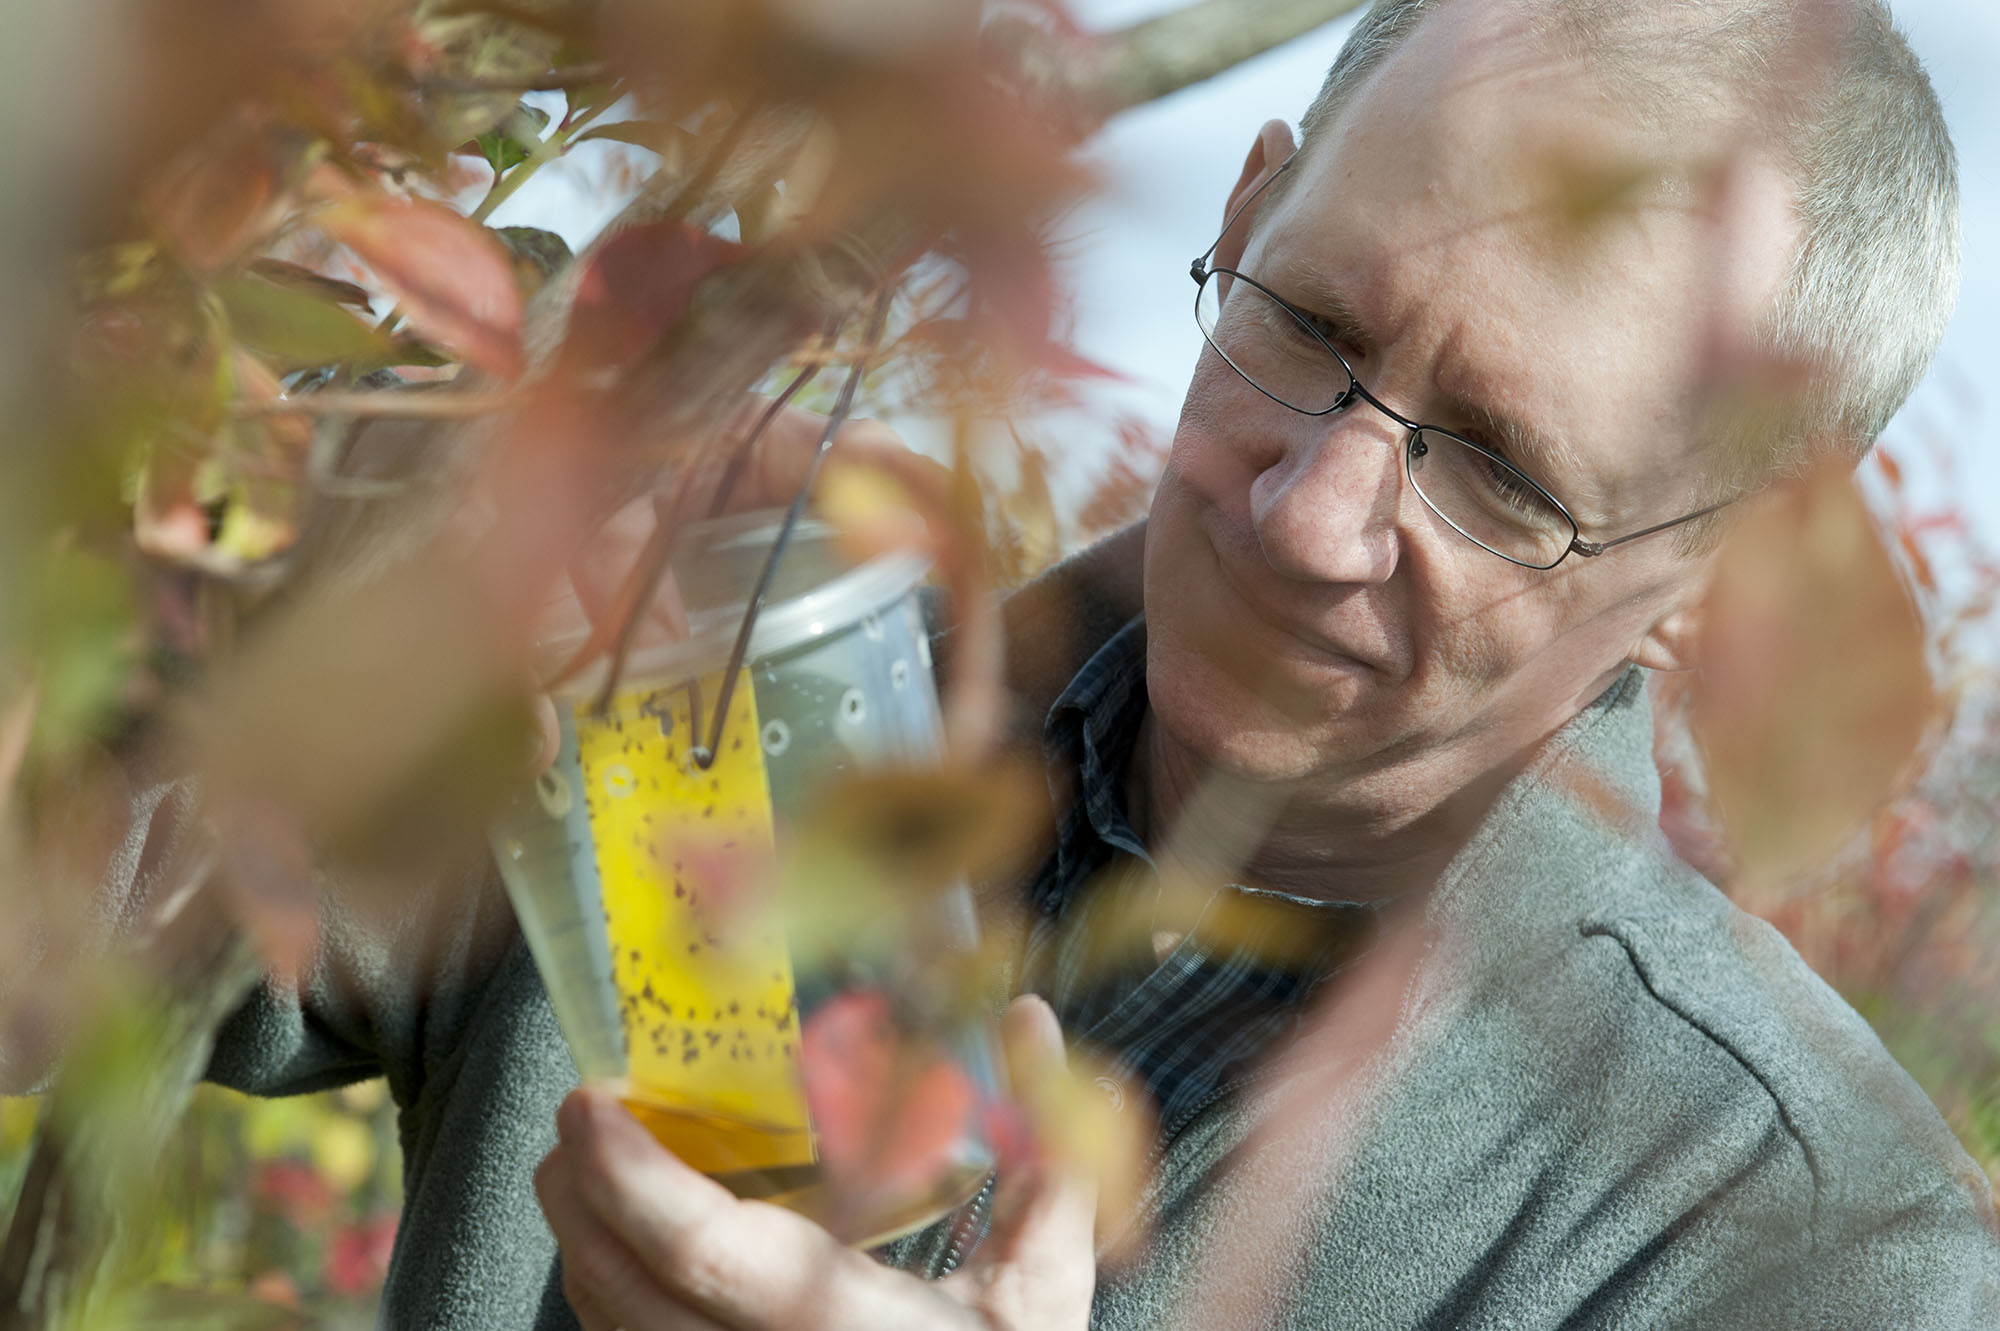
{"points": [[1187, 1026]]}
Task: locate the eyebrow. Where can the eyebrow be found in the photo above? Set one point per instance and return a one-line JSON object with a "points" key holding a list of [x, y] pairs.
{"points": [[1321, 294], [1537, 452]]}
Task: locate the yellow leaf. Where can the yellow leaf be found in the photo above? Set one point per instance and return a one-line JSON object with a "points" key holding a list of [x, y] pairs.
{"points": [[343, 1150], [18, 1114]]}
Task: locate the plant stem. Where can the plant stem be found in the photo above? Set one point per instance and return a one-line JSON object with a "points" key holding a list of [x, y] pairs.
{"points": [[554, 80], [545, 151], [428, 406]]}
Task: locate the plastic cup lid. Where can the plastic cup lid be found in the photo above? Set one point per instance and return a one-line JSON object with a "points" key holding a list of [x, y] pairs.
{"points": [[816, 591]]}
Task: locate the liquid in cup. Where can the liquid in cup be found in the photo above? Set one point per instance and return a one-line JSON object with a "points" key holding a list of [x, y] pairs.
{"points": [[643, 883]]}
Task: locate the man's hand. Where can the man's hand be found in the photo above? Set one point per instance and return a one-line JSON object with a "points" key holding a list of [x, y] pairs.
{"points": [[648, 1244]]}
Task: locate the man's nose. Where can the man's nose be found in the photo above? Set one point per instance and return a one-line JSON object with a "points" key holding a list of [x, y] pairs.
{"points": [[1326, 511]]}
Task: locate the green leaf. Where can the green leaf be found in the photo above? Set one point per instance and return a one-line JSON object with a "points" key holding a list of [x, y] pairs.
{"points": [[500, 150], [300, 278], [79, 629], [297, 329], [511, 143], [540, 253]]}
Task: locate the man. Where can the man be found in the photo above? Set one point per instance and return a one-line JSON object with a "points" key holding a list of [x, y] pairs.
{"points": [[1447, 479], [1547, 1077]]}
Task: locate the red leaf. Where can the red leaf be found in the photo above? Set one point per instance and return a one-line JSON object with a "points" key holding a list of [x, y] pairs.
{"points": [[358, 1258], [213, 202], [887, 1110], [1951, 524], [1920, 566], [1892, 470], [449, 276], [294, 1190], [637, 286]]}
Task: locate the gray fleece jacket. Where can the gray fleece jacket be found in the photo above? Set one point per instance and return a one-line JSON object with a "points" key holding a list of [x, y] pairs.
{"points": [[1610, 1100], [1606, 1098]]}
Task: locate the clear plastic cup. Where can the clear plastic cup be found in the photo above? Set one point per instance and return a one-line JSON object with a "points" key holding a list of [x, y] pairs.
{"points": [[850, 1077]]}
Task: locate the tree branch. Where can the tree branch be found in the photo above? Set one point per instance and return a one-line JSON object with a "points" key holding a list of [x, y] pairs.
{"points": [[1088, 82], [1174, 51], [553, 80]]}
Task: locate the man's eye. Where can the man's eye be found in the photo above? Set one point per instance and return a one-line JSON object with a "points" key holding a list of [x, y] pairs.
{"points": [[1315, 329], [1508, 485], [1327, 329]]}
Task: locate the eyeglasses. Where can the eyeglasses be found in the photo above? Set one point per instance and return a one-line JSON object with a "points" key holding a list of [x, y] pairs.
{"points": [[1278, 350]]}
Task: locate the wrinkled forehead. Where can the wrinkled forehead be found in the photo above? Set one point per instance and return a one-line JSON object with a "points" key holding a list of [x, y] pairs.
{"points": [[1501, 103], [1580, 267]]}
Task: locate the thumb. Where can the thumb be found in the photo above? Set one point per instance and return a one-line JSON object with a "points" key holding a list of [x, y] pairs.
{"points": [[1037, 1269]]}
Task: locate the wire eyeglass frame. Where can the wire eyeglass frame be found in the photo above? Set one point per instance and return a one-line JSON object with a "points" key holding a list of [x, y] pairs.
{"points": [[1414, 446]]}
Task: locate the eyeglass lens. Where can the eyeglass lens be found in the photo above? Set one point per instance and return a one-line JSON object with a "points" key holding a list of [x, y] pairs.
{"points": [[1485, 498]]}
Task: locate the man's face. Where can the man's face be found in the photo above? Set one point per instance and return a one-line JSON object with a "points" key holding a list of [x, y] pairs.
{"points": [[1308, 616]]}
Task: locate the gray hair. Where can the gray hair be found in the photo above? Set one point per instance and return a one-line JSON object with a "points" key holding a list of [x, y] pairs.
{"points": [[1874, 280]]}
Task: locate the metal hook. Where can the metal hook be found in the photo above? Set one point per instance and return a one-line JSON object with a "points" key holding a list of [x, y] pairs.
{"points": [[704, 754]]}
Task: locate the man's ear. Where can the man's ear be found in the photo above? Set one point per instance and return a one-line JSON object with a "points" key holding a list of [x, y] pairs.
{"points": [[1268, 151], [1674, 641]]}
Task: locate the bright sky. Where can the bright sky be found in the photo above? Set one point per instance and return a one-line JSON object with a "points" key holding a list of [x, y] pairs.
{"points": [[1167, 168]]}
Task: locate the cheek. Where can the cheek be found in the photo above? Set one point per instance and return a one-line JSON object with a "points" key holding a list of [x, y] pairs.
{"points": [[1516, 649], [1487, 627], [1225, 436]]}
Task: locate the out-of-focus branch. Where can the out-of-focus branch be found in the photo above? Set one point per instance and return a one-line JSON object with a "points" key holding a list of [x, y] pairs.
{"points": [[568, 76], [1092, 80], [751, 315], [770, 306]]}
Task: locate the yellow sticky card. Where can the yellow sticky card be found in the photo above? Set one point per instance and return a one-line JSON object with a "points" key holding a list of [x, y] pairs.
{"points": [[698, 954]]}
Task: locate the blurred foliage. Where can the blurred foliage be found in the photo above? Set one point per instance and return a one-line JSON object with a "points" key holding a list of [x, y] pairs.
{"points": [[286, 245], [288, 420], [1872, 843], [287, 1203]]}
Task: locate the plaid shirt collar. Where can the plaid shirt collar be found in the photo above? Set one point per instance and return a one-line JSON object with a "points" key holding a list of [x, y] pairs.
{"points": [[1191, 1023], [1087, 742]]}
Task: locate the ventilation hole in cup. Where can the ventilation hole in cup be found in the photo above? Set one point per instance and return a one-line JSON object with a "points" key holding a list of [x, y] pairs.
{"points": [[899, 674], [777, 737], [853, 707], [872, 626], [552, 789], [619, 783]]}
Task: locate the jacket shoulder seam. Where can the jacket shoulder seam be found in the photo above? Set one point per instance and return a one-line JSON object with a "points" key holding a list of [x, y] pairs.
{"points": [[1598, 928]]}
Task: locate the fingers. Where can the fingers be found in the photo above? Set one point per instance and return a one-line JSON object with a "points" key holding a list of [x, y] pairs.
{"points": [[610, 1288], [740, 1264], [602, 573], [1037, 1269], [783, 456], [1056, 1214], [600, 567], [615, 567]]}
